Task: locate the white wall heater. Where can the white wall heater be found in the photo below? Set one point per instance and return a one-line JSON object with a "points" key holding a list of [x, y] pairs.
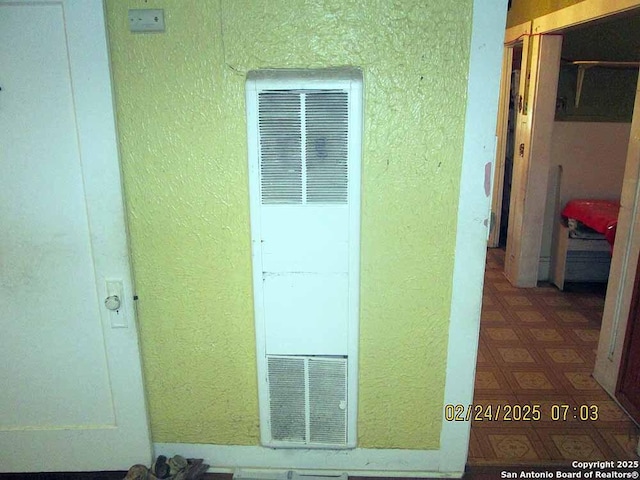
{"points": [[305, 141]]}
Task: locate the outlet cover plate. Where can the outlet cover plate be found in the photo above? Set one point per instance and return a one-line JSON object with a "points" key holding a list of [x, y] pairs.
{"points": [[146, 20]]}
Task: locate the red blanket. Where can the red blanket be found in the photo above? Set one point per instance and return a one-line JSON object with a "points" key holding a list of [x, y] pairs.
{"points": [[600, 215]]}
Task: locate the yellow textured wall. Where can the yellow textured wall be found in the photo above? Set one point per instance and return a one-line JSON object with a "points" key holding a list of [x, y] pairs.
{"points": [[524, 10], [182, 131]]}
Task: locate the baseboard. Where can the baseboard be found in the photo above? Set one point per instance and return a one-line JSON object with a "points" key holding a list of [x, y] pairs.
{"points": [[360, 461], [544, 269]]}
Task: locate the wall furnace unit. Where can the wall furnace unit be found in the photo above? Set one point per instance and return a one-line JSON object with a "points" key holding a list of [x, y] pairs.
{"points": [[305, 141]]}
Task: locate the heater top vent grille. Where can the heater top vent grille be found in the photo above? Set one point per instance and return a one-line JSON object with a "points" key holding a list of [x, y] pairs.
{"points": [[304, 146]]}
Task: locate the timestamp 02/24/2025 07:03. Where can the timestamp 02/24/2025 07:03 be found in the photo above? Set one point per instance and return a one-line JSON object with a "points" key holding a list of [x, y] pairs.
{"points": [[520, 413]]}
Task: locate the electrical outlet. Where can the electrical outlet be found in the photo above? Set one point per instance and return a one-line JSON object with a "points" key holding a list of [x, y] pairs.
{"points": [[146, 20]]}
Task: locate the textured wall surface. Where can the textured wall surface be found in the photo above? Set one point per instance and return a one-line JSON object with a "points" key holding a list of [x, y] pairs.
{"points": [[181, 120], [524, 10]]}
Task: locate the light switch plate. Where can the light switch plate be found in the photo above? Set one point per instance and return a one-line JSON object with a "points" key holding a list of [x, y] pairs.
{"points": [[146, 20]]}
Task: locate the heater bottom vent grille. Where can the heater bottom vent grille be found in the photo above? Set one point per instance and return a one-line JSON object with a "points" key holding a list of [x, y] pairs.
{"points": [[308, 400]]}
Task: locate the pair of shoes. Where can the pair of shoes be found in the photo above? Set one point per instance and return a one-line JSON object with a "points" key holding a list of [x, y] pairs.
{"points": [[176, 468], [161, 468], [177, 464], [197, 468], [137, 472], [187, 469]]}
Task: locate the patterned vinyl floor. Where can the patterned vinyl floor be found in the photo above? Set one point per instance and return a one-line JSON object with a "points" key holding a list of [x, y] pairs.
{"points": [[538, 347]]}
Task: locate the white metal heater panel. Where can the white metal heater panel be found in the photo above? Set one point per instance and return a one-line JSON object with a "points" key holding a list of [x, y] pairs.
{"points": [[305, 133], [306, 313], [305, 238]]}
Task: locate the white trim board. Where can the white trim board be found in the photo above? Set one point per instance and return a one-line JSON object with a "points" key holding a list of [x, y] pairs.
{"points": [[359, 461], [473, 216], [544, 269], [473, 222]]}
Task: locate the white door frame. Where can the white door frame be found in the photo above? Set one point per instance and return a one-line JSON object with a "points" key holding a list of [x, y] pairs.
{"points": [[513, 36], [583, 12], [531, 160], [623, 266]]}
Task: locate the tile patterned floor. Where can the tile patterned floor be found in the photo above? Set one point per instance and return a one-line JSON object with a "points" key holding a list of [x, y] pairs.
{"points": [[538, 347]]}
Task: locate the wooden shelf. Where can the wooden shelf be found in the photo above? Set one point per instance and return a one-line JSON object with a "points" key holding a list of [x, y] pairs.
{"points": [[584, 65]]}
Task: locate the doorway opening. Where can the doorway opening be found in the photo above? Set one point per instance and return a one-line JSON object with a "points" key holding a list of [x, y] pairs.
{"points": [[510, 144], [539, 345]]}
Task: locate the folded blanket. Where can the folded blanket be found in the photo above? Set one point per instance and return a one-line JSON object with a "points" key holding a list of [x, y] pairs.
{"points": [[600, 215]]}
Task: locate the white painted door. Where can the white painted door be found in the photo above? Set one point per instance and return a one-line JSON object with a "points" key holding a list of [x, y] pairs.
{"points": [[72, 396]]}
